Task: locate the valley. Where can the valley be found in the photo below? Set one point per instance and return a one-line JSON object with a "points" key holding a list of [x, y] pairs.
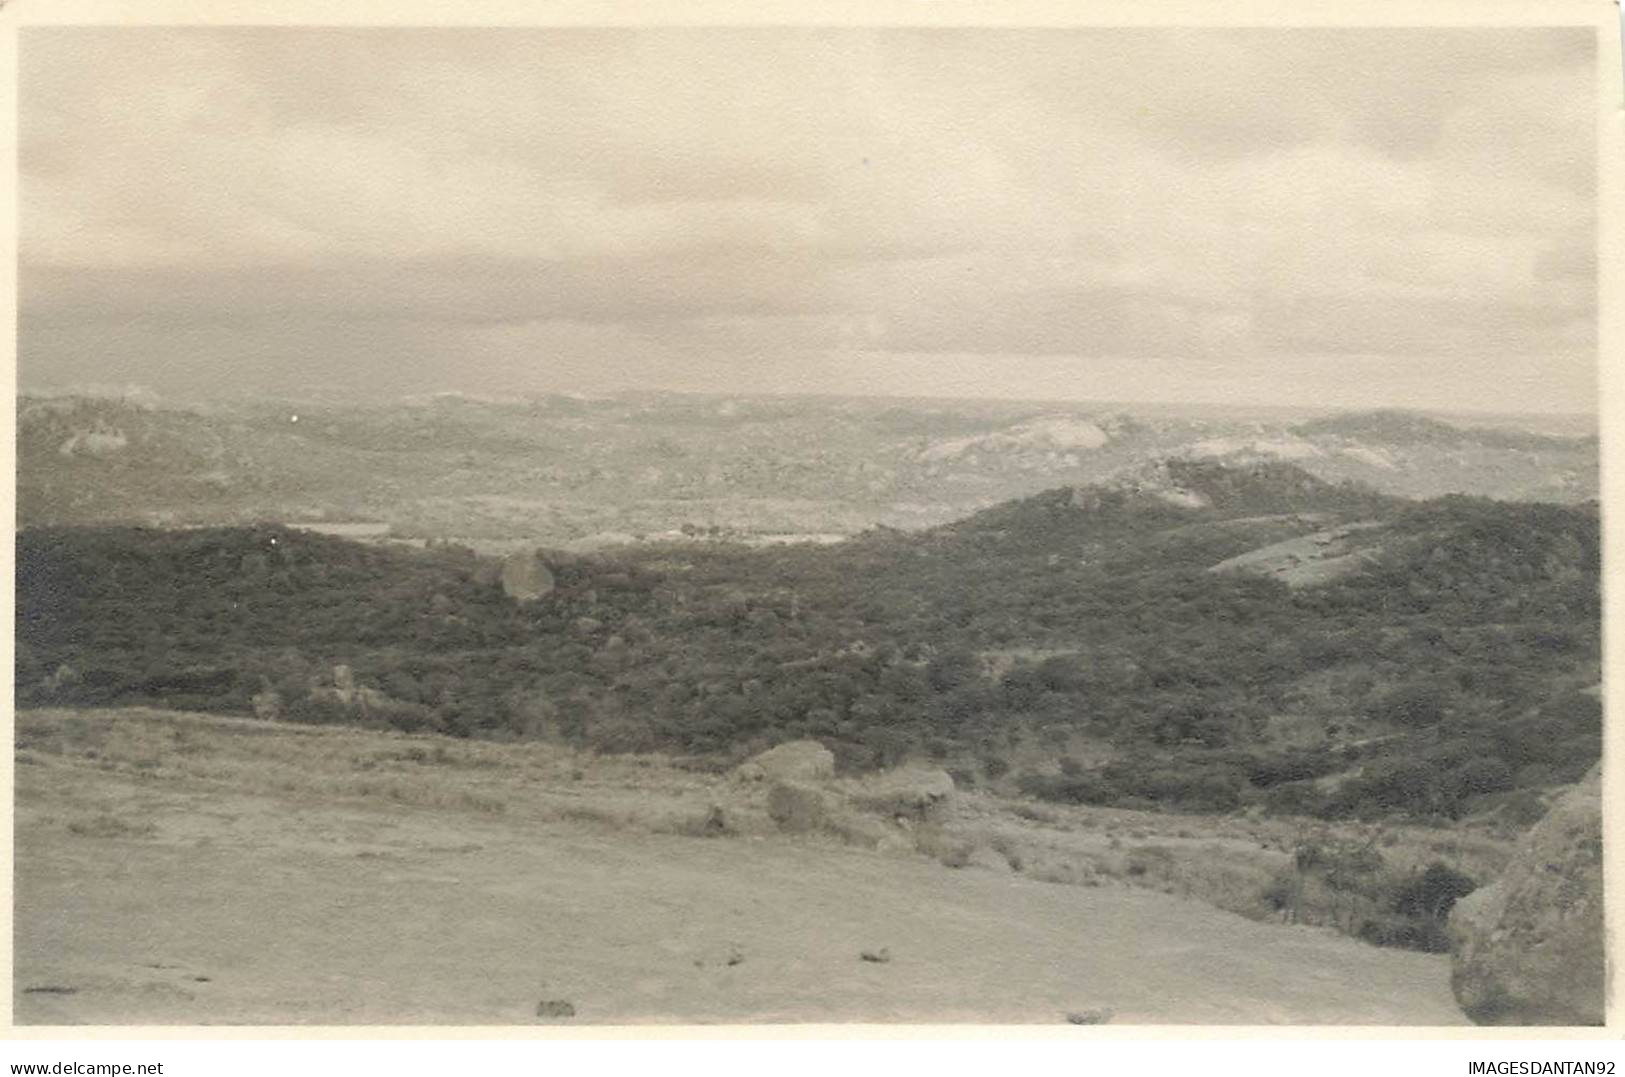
{"points": [[589, 473]]}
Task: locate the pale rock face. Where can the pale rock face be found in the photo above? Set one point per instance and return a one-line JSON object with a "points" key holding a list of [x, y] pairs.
{"points": [[795, 761], [525, 578], [1530, 947], [1185, 499], [1053, 434], [1372, 456], [1285, 447], [1064, 433]]}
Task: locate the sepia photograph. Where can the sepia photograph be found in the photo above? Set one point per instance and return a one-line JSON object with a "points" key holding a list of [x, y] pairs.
{"points": [[919, 522]]}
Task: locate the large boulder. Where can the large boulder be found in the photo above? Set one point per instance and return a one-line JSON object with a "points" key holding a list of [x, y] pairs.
{"points": [[1529, 948], [525, 577], [794, 761]]}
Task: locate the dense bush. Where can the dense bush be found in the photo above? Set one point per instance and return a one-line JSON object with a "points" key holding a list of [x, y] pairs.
{"points": [[1345, 883], [1433, 893], [1447, 674]]}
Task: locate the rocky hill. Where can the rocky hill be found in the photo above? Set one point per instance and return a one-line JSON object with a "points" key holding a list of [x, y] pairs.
{"points": [[562, 469]]}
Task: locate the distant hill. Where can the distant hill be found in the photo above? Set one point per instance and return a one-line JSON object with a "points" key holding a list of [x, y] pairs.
{"points": [[562, 469], [1392, 426], [105, 460], [1409, 428], [1172, 500]]}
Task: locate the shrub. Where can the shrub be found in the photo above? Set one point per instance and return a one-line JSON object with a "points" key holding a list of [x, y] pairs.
{"points": [[1481, 776], [1036, 815], [1295, 798], [1428, 935], [1523, 809], [1432, 893], [1417, 704], [620, 736], [1282, 891], [107, 825]]}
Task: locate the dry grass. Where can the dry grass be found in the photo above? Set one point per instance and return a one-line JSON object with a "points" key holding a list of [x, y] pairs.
{"points": [[305, 762], [952, 850]]}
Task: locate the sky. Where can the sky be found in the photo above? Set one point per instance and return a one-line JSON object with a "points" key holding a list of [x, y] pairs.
{"points": [[1369, 217]]}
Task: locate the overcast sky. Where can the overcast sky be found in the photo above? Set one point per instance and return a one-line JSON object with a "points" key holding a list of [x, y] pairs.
{"points": [[1280, 216]]}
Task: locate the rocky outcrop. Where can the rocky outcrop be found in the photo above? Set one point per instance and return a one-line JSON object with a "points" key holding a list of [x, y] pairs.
{"points": [[877, 811], [794, 761], [912, 793], [1530, 947]]}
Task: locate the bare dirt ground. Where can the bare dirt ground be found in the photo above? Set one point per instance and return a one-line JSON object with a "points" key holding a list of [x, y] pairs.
{"points": [[185, 870]]}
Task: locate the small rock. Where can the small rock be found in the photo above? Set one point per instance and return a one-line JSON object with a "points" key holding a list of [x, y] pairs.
{"points": [[721, 956], [555, 1007], [878, 957], [1099, 1016]]}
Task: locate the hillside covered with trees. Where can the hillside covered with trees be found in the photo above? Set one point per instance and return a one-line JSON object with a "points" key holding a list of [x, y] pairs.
{"points": [[1075, 645]]}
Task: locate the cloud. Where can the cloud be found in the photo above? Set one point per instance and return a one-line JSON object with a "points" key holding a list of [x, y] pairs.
{"points": [[740, 196], [1430, 329], [473, 289]]}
